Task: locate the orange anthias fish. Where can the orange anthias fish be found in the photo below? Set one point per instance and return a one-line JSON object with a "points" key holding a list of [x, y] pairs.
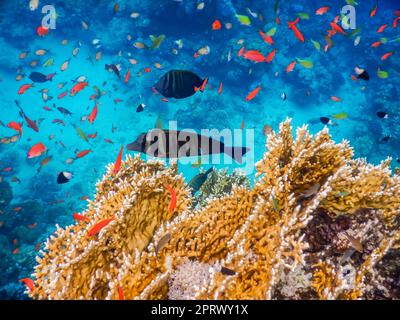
{"points": [[241, 51], [386, 55], [253, 93], [15, 126], [78, 87], [127, 75], [382, 28], [376, 44], [42, 31], [93, 114], [203, 85], [117, 165], [83, 153], [270, 56], [290, 67], [268, 39], [334, 98], [216, 25], [22, 89], [220, 88], [98, 227], [79, 217], [322, 10], [172, 203], [28, 282], [373, 11], [337, 28], [37, 150], [254, 55], [297, 33], [120, 293]]}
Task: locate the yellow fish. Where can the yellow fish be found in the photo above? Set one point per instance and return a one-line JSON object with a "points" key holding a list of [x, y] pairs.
{"points": [[306, 63]]}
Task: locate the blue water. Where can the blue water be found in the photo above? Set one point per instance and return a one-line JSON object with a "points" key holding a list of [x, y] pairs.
{"points": [[38, 202]]}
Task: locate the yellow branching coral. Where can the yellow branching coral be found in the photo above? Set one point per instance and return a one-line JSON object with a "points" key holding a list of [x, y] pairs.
{"points": [[314, 213]]}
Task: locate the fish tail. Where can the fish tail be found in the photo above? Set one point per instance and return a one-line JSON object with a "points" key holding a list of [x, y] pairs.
{"points": [[236, 153], [293, 23]]}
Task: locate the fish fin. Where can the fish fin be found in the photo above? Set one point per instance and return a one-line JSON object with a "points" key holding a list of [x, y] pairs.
{"points": [[236, 153]]}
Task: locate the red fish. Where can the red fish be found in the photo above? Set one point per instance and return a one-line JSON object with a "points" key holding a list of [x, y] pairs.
{"points": [[32, 226], [220, 88], [334, 98], [172, 203], [241, 51], [253, 93], [37, 150], [8, 169], [98, 227], [154, 90], [354, 78], [92, 135], [322, 10], [84, 198], [93, 114], [254, 55], [120, 293], [270, 56], [108, 140], [147, 69], [47, 108], [117, 165], [376, 44], [37, 247], [42, 31], [63, 94], [268, 39], [373, 11], [83, 153], [28, 282], [78, 87], [382, 28], [386, 55], [15, 251], [337, 28], [22, 89], [216, 25], [277, 20], [297, 33], [127, 75], [15, 126], [395, 22], [164, 99], [290, 67], [79, 217]]}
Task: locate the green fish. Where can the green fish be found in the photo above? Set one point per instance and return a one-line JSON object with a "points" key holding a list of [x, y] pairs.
{"points": [[245, 20], [382, 74], [342, 193], [49, 62], [81, 133], [271, 32], [276, 6], [340, 116], [303, 15], [198, 180], [306, 63], [355, 32], [156, 41], [275, 204], [351, 2], [316, 45], [384, 40]]}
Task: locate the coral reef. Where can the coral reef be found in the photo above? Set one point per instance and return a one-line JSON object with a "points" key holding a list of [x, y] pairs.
{"points": [[316, 225]]}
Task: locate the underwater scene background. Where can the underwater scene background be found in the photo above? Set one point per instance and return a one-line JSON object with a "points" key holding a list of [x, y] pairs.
{"points": [[90, 34]]}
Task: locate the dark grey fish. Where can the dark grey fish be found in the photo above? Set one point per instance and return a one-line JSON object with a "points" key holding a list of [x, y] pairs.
{"points": [[178, 84], [40, 77], [64, 177], [227, 271], [325, 120], [64, 111], [114, 68], [199, 180], [140, 107], [178, 144]]}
